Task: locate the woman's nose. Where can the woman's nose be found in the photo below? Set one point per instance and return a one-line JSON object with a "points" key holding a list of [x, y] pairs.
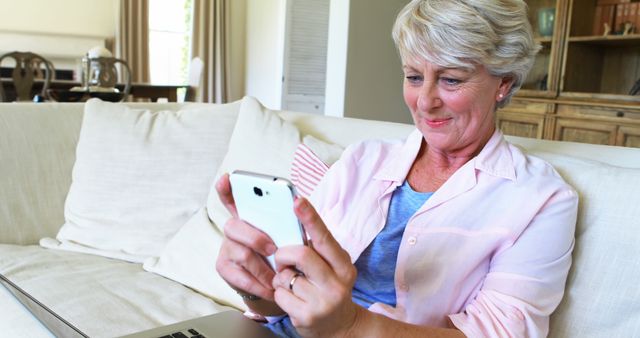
{"points": [[428, 98]]}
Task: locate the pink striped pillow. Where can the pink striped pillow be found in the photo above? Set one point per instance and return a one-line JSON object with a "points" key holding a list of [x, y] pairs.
{"points": [[307, 169]]}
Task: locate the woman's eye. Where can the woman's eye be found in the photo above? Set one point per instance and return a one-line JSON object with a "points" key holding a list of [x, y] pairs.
{"points": [[450, 81], [413, 78]]}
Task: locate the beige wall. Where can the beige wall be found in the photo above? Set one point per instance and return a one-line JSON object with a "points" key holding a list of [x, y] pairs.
{"points": [[364, 73], [79, 17], [61, 30], [265, 50], [373, 81]]}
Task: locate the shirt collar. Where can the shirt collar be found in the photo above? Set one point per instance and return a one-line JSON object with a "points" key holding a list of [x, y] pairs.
{"points": [[494, 159], [398, 164]]}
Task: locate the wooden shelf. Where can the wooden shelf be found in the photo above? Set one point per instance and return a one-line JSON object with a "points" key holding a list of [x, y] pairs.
{"points": [[609, 40], [545, 41], [588, 78], [620, 99], [527, 92]]}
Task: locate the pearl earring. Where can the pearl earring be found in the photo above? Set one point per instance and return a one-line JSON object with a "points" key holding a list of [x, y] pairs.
{"points": [[500, 97]]}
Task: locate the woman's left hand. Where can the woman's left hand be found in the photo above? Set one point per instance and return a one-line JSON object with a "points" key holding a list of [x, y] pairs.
{"points": [[318, 302]]}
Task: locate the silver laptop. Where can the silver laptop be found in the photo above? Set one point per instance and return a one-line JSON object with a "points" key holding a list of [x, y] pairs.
{"points": [[228, 324]]}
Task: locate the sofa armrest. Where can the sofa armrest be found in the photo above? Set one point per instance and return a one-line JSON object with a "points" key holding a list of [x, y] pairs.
{"points": [[37, 152]]}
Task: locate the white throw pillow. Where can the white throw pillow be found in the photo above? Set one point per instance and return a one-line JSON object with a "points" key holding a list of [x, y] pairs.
{"points": [[261, 142], [311, 161], [139, 176], [328, 153], [190, 259]]}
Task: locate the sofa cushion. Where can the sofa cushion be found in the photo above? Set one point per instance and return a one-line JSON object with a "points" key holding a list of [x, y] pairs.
{"points": [[260, 142], [190, 258], [308, 168], [618, 156], [37, 151], [325, 152], [139, 176], [601, 298], [102, 297]]}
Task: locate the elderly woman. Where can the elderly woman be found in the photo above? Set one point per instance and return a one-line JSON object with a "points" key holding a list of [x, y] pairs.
{"points": [[450, 232]]}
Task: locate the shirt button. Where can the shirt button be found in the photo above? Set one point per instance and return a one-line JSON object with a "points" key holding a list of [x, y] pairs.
{"points": [[412, 240], [404, 287]]}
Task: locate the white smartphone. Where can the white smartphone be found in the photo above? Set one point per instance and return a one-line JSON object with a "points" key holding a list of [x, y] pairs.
{"points": [[266, 202]]}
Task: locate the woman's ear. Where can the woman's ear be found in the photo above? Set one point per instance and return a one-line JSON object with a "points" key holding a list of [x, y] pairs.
{"points": [[504, 88]]}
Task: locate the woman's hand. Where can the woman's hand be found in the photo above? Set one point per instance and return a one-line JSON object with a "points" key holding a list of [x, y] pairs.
{"points": [[318, 302], [241, 260]]}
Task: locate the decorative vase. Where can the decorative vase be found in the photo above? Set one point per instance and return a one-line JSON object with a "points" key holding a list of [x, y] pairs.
{"points": [[546, 19]]}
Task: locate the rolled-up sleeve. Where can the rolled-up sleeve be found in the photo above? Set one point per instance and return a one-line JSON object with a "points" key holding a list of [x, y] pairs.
{"points": [[526, 279]]}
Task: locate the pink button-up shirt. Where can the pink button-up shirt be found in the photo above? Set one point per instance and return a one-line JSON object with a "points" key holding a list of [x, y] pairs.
{"points": [[490, 250]]}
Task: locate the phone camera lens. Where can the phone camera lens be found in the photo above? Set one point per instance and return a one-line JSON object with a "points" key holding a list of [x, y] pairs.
{"points": [[257, 191]]}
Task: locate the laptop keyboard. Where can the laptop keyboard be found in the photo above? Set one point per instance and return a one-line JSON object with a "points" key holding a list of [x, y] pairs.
{"points": [[190, 333]]}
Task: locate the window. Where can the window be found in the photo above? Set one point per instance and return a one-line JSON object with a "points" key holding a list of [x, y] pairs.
{"points": [[169, 40]]}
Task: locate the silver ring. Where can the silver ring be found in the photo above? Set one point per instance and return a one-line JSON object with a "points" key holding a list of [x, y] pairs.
{"points": [[293, 279]]}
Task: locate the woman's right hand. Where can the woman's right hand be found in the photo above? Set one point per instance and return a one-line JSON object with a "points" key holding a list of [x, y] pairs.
{"points": [[241, 261]]}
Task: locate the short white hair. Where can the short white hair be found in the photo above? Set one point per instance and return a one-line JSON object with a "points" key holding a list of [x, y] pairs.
{"points": [[465, 33]]}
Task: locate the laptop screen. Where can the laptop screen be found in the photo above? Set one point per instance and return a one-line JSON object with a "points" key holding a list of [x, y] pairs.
{"points": [[56, 324]]}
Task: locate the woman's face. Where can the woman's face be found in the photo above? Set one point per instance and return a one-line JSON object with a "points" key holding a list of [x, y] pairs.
{"points": [[453, 108]]}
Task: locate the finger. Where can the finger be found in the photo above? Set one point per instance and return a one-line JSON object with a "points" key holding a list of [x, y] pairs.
{"points": [[250, 261], [287, 301], [321, 239], [241, 279], [297, 283], [320, 284], [283, 293], [249, 236], [305, 260], [223, 187], [304, 302]]}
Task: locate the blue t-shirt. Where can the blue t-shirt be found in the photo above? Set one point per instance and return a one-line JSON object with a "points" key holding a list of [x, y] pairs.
{"points": [[377, 264]]}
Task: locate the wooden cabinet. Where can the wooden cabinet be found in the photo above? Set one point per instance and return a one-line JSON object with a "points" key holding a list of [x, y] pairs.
{"points": [[628, 136], [583, 79], [585, 131], [525, 125], [596, 66], [543, 78], [524, 118], [607, 133], [599, 124]]}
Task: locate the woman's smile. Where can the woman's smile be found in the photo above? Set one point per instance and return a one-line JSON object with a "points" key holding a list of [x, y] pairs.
{"points": [[438, 122]]}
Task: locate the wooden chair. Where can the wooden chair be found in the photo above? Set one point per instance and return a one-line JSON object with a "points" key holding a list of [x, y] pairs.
{"points": [[28, 67], [103, 74], [195, 75]]}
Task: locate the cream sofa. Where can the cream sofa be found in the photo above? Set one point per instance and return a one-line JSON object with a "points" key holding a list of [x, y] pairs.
{"points": [[116, 255]]}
